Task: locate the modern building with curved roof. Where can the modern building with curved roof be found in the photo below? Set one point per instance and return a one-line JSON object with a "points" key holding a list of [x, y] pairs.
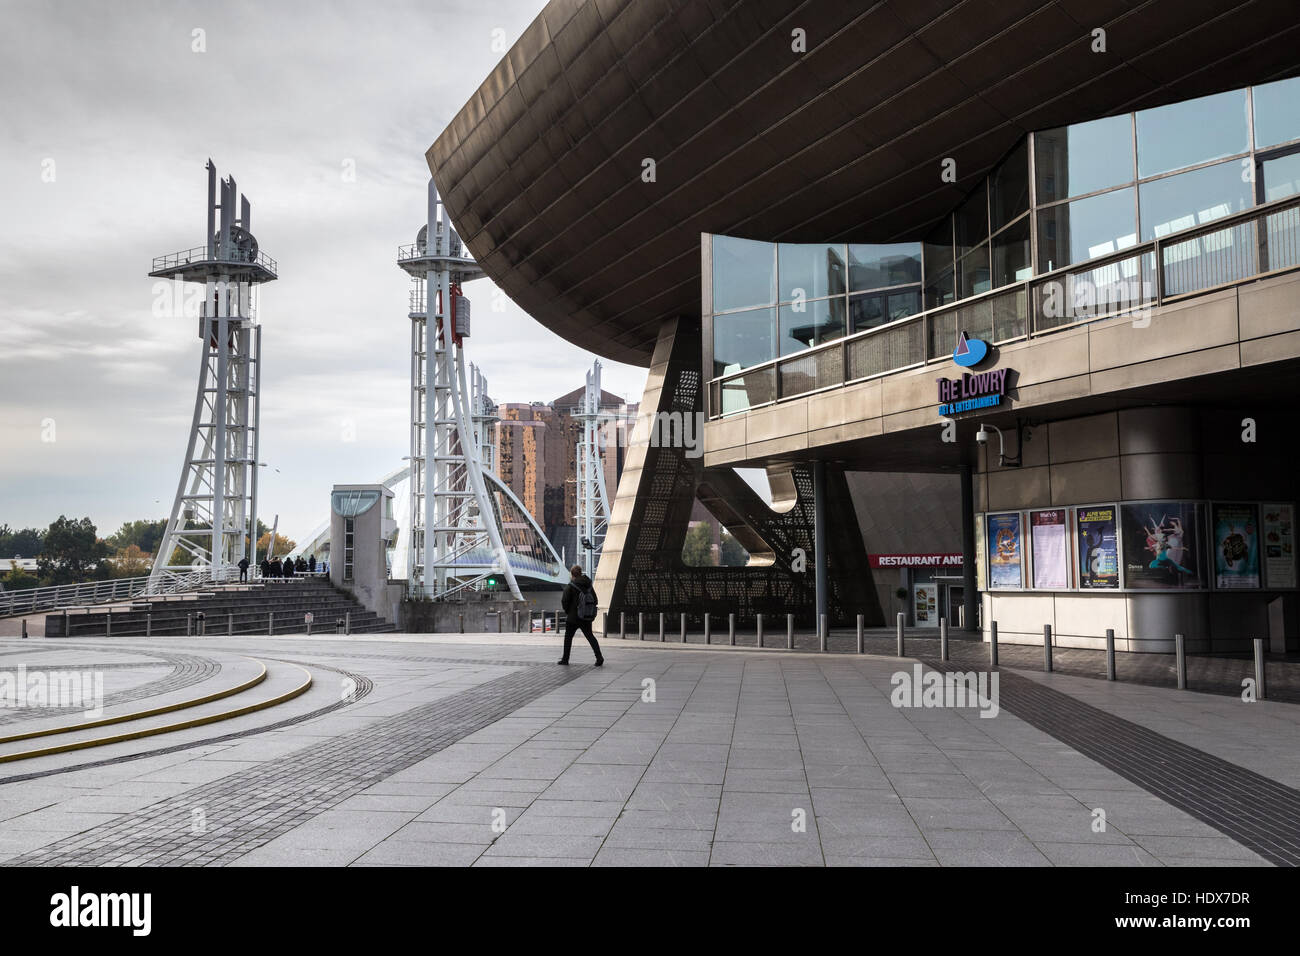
{"points": [[1049, 246]]}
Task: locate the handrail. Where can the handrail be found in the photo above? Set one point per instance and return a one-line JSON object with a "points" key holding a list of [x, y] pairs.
{"points": [[31, 600], [1031, 288], [200, 254]]}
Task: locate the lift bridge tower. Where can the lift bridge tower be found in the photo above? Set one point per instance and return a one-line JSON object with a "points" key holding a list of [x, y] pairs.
{"points": [[213, 519]]}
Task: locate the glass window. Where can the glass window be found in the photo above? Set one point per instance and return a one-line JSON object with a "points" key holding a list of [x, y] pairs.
{"points": [[1194, 131], [1074, 231], [1011, 261], [1180, 202], [880, 266], [1281, 177], [818, 322], [810, 270], [742, 339], [902, 304], [936, 250], [1086, 157], [973, 272], [939, 289], [744, 273], [971, 222], [1009, 187], [866, 312], [1277, 112]]}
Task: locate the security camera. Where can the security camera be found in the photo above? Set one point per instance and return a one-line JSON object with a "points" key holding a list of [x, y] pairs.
{"points": [[982, 436]]}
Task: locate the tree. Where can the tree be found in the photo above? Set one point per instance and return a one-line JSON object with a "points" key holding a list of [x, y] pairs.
{"points": [[145, 534], [19, 544], [17, 579], [697, 548], [130, 562], [70, 552], [733, 554], [282, 544]]}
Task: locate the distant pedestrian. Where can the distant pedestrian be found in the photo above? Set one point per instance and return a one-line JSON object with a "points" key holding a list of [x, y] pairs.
{"points": [[301, 567], [243, 569], [311, 563], [266, 568], [580, 603], [288, 567]]}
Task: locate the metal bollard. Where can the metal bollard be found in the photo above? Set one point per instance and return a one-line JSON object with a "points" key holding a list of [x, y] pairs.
{"points": [[309, 628], [347, 622], [821, 632], [517, 621], [789, 632], [1180, 661], [108, 624], [758, 630], [24, 628], [189, 624], [661, 627], [1047, 648], [500, 623], [270, 622], [993, 643], [230, 623], [148, 624], [640, 625], [1261, 687], [943, 638], [461, 620], [683, 627], [1110, 653], [731, 628], [707, 636], [861, 637], [902, 619], [66, 623], [622, 625]]}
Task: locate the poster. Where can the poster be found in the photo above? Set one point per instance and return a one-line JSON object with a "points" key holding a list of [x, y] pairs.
{"points": [[979, 554], [1236, 545], [1162, 546], [1279, 546], [1004, 551], [1098, 547], [1047, 540], [926, 606]]}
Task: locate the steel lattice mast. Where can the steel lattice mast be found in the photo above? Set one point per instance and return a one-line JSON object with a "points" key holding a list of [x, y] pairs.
{"points": [[592, 501], [456, 536], [214, 515]]}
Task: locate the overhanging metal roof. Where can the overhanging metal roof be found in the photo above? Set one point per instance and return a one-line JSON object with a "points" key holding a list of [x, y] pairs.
{"points": [[541, 169]]}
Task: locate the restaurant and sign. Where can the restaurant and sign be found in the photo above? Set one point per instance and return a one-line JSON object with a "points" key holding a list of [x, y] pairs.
{"points": [[944, 560]]}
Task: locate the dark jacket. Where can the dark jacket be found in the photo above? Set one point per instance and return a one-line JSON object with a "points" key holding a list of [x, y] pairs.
{"points": [[569, 599]]}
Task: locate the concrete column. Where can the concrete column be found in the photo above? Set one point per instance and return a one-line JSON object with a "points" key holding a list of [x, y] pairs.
{"points": [[969, 597]]}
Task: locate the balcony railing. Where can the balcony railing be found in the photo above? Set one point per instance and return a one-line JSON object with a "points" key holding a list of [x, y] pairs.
{"points": [[200, 254], [1260, 241]]}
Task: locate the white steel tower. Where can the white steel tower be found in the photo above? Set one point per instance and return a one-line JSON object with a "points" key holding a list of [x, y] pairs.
{"points": [[592, 501], [456, 539], [213, 519]]}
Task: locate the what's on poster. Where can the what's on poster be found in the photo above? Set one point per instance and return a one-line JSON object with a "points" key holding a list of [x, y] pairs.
{"points": [[1098, 547], [1005, 555], [1279, 545], [1236, 545], [1047, 537], [1162, 545]]}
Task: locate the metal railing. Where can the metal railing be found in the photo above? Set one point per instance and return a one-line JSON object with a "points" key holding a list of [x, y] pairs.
{"points": [[200, 254], [33, 600], [1260, 241]]}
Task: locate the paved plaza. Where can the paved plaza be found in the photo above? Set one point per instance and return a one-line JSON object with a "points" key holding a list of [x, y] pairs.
{"points": [[478, 750]]}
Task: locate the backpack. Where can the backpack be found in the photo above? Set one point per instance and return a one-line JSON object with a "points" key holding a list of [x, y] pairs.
{"points": [[588, 604]]}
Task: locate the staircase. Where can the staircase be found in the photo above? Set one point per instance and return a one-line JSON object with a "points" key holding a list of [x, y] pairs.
{"points": [[226, 609]]}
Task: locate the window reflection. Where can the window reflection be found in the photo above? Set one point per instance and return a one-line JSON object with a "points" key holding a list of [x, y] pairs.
{"points": [[1009, 187], [810, 270], [973, 271], [1280, 177], [744, 273], [1074, 231], [817, 322], [1011, 260], [1084, 158], [1189, 199], [971, 222], [742, 339], [1277, 112], [1191, 132], [881, 266]]}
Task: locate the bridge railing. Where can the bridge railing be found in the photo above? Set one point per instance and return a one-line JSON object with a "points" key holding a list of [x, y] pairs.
{"points": [[170, 581]]}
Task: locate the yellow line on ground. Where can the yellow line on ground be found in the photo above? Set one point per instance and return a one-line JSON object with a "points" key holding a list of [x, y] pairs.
{"points": [[168, 728], [152, 712]]}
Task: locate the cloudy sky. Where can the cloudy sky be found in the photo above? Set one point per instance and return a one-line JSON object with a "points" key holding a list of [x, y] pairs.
{"points": [[107, 118]]}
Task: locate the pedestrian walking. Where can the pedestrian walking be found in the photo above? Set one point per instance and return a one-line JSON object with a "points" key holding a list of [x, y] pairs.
{"points": [[580, 605]]}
